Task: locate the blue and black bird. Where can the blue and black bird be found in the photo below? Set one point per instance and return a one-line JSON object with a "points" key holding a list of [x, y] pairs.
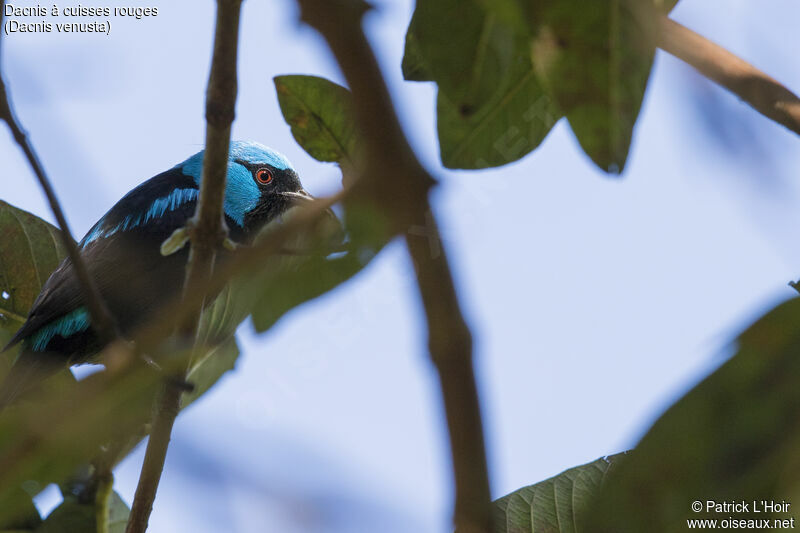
{"points": [[122, 253]]}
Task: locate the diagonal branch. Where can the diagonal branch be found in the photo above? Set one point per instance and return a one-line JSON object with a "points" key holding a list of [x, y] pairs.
{"points": [[759, 90], [207, 231], [395, 180], [101, 319]]}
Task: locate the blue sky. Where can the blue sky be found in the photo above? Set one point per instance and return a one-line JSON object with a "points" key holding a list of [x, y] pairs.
{"points": [[594, 301]]}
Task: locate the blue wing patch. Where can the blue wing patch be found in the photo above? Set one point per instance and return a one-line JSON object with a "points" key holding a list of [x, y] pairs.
{"points": [[67, 325], [157, 208]]}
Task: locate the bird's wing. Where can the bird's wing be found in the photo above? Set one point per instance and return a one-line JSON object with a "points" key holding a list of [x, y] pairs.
{"points": [[122, 254]]}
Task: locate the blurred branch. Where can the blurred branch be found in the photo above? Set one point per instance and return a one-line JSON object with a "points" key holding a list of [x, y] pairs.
{"points": [[393, 178], [759, 90], [207, 232], [101, 319], [450, 345]]}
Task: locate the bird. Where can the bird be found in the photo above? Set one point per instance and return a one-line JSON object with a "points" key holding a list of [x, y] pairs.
{"points": [[122, 253]]}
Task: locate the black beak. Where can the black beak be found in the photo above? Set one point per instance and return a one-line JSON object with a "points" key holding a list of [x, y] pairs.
{"points": [[298, 197]]}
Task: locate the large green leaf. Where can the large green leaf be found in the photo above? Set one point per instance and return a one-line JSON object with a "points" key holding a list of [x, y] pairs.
{"points": [[734, 437], [460, 46], [594, 60], [511, 124], [491, 108], [30, 249], [320, 115], [554, 505], [591, 63]]}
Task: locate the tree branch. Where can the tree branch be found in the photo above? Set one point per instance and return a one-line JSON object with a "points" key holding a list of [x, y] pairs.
{"points": [[451, 348], [102, 321], [207, 233], [759, 90], [393, 178], [154, 458]]}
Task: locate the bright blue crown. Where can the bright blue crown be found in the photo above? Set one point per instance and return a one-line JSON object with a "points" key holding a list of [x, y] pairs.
{"points": [[241, 193], [248, 151]]}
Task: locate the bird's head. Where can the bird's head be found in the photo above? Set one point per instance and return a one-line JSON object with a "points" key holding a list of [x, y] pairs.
{"points": [[261, 184]]}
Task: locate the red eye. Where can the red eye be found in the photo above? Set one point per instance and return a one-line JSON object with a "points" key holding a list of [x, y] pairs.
{"points": [[264, 176]]}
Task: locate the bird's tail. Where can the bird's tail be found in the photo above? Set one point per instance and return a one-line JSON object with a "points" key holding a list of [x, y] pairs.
{"points": [[28, 371]]}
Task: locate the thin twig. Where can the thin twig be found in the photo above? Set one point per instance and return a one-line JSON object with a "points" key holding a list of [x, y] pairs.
{"points": [[759, 90], [155, 455], [102, 321], [207, 233], [397, 182]]}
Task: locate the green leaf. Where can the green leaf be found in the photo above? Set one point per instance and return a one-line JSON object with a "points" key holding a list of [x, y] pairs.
{"points": [[30, 249], [74, 517], [461, 47], [590, 64], [665, 6], [210, 368], [118, 514], [491, 108], [314, 277], [46, 442], [595, 63], [519, 13], [26, 517], [286, 281], [70, 517], [413, 66], [320, 114], [515, 121], [513, 13], [734, 437], [554, 505]]}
